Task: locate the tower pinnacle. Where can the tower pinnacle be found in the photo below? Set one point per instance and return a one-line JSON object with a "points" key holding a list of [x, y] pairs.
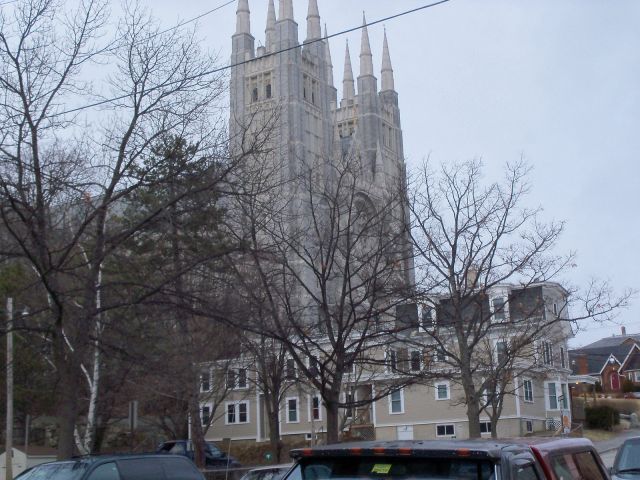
{"points": [[313, 21], [348, 87], [366, 58], [328, 57], [387, 70], [270, 31], [243, 17], [286, 10]]}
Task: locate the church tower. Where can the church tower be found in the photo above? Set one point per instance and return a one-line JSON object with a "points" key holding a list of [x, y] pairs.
{"points": [[297, 78]]}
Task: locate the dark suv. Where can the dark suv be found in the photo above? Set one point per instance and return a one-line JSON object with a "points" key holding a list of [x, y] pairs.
{"points": [[116, 467], [214, 457], [520, 459]]}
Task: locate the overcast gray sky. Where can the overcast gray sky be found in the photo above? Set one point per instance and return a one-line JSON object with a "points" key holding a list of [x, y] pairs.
{"points": [[557, 81]]}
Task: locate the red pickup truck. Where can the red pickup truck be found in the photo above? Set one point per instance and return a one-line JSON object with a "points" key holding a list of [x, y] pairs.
{"points": [[518, 459]]}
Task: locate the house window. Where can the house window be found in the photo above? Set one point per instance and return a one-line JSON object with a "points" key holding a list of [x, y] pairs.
{"points": [[442, 391], [485, 427], [349, 399], [529, 426], [547, 353], [254, 94], [237, 412], [292, 410], [396, 402], [445, 430], [205, 381], [242, 378], [416, 360], [636, 376], [206, 415], [392, 360], [267, 91], [441, 355], [552, 396], [314, 366], [563, 362], [555, 309], [426, 318], [498, 309], [501, 352], [237, 378], [231, 379], [528, 391], [565, 396], [290, 369], [315, 408]]}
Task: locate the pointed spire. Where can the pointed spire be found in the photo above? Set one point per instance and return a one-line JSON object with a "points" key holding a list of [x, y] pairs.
{"points": [[328, 57], [270, 31], [348, 87], [366, 59], [286, 10], [313, 21], [243, 17], [388, 82]]}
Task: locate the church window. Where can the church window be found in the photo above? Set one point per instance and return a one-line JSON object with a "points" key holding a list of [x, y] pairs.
{"points": [[267, 90], [254, 94]]}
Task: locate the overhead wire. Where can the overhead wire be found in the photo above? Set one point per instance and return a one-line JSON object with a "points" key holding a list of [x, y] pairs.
{"points": [[243, 62]]}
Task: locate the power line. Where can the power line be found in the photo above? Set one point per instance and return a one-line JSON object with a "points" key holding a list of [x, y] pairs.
{"points": [[227, 67]]}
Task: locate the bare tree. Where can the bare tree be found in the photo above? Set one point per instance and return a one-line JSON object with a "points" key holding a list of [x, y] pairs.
{"points": [[61, 179], [470, 239], [326, 261]]}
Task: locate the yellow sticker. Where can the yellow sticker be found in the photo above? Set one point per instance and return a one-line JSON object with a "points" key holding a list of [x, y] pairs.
{"points": [[381, 468]]}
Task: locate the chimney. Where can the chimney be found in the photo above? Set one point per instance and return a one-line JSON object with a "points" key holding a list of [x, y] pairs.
{"points": [[623, 330]]}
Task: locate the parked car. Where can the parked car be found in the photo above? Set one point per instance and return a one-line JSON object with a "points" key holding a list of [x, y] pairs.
{"points": [[116, 467], [520, 459], [214, 457], [271, 472], [626, 466]]}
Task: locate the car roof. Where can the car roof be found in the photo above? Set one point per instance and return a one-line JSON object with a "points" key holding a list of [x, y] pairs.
{"points": [[95, 459], [454, 448], [271, 467]]}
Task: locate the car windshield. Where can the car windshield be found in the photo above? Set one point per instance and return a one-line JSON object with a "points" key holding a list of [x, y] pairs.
{"points": [[56, 471], [629, 456], [349, 468]]}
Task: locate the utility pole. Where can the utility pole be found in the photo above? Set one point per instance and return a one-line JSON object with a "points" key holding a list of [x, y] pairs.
{"points": [[9, 437]]}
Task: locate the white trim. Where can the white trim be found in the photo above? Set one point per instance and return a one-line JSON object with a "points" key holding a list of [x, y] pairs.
{"points": [[373, 406], [286, 410], [517, 395], [456, 420], [258, 418], [445, 383], [634, 346], [607, 363], [391, 412]]}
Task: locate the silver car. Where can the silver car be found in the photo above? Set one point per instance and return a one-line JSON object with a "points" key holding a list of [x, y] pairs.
{"points": [[627, 463]]}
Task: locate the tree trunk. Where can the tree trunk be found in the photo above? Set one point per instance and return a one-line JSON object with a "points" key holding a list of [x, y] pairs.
{"points": [[274, 432], [197, 433], [67, 405], [333, 418], [473, 411]]}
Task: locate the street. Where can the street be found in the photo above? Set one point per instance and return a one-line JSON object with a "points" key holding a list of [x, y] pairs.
{"points": [[608, 458]]}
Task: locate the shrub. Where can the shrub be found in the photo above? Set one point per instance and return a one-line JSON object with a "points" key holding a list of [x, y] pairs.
{"points": [[602, 417]]}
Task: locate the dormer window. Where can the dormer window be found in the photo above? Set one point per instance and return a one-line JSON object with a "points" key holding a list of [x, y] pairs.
{"points": [[498, 305]]}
